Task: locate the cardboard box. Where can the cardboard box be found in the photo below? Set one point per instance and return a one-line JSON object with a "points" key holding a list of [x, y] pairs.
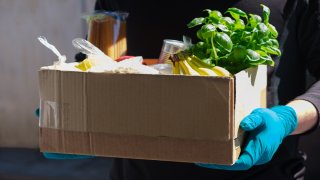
{"points": [[157, 117]]}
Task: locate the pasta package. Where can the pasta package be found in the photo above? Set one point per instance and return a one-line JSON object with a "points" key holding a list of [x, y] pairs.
{"points": [[107, 31]]}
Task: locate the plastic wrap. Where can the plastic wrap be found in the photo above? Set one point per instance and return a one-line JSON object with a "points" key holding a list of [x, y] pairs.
{"points": [[107, 31]]}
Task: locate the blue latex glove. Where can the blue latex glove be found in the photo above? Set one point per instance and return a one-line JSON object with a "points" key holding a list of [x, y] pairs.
{"points": [[268, 127], [64, 156], [60, 155]]}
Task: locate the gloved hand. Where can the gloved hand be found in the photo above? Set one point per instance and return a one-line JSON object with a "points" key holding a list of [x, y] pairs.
{"points": [[60, 155], [64, 156], [268, 127]]}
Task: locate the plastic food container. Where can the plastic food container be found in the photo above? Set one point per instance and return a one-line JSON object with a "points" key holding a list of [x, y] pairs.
{"points": [[107, 31], [169, 48]]}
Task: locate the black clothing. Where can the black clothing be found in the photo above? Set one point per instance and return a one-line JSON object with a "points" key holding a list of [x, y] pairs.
{"points": [[128, 169], [301, 53], [150, 22]]}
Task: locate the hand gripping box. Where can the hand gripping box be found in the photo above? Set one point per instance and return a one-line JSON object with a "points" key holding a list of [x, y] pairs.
{"points": [[155, 117]]}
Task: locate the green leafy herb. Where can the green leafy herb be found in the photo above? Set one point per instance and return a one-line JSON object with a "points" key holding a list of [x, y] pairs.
{"points": [[235, 40]]}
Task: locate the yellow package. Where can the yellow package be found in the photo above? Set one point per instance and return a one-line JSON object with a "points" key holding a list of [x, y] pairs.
{"points": [[85, 65]]}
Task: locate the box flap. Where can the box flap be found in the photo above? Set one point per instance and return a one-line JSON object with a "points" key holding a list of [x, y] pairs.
{"points": [[250, 92]]}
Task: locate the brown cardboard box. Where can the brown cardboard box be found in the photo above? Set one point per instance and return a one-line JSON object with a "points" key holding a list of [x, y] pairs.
{"points": [[158, 117]]}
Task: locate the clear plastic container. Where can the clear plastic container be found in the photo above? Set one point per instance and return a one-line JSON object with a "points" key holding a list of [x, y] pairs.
{"points": [[107, 31], [169, 48]]}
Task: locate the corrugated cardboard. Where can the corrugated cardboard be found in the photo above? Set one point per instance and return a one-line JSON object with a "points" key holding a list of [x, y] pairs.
{"points": [[157, 117]]}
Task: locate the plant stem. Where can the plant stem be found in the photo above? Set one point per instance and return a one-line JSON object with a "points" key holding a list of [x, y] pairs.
{"points": [[214, 49]]}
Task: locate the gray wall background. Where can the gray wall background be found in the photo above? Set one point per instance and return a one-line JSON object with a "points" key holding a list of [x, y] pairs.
{"points": [[21, 56]]}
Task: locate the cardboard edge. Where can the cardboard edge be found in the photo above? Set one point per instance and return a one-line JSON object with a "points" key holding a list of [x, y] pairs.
{"points": [[141, 147], [235, 150]]}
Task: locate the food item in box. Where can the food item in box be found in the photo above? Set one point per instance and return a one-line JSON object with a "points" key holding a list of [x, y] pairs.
{"points": [[192, 65], [107, 31], [232, 43], [85, 65]]}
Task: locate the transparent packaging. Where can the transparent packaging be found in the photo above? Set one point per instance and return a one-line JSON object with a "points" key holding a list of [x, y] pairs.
{"points": [[169, 48], [107, 31]]}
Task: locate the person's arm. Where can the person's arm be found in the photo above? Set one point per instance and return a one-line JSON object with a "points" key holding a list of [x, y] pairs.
{"points": [[307, 115], [307, 107], [269, 126]]}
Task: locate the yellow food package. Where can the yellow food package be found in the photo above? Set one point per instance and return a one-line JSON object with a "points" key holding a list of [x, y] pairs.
{"points": [[85, 65]]}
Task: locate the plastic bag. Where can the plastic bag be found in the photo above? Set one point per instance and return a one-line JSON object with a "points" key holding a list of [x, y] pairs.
{"points": [[97, 61], [61, 63]]}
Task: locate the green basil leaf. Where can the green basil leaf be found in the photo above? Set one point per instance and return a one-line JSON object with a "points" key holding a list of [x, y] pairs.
{"points": [[252, 56], [198, 50], [236, 13], [270, 43], [238, 54], [208, 10], [224, 41], [201, 45], [254, 20], [215, 16], [261, 53], [223, 28], [273, 30], [199, 35], [207, 31], [227, 21], [267, 60], [274, 43], [255, 63], [265, 14], [263, 31], [236, 36], [271, 50], [196, 22], [239, 25], [246, 36]]}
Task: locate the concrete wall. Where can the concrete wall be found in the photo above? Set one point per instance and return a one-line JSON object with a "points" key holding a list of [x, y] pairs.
{"points": [[21, 55]]}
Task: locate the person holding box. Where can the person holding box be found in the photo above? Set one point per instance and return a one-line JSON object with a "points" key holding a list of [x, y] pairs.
{"points": [[271, 151]]}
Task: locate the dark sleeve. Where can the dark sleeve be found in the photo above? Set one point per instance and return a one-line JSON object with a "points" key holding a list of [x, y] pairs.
{"points": [[309, 36], [109, 5], [309, 44]]}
